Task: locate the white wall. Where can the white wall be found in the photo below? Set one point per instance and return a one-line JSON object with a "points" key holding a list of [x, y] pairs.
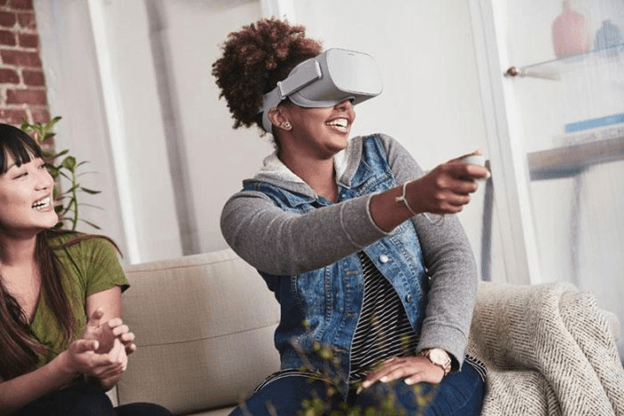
{"points": [[212, 158], [136, 128], [101, 75], [75, 93]]}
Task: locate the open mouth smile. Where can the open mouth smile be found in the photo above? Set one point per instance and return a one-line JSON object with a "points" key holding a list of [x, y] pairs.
{"points": [[339, 123], [42, 203]]}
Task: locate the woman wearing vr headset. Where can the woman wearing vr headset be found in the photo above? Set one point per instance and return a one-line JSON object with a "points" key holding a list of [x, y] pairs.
{"points": [[376, 295], [62, 341]]}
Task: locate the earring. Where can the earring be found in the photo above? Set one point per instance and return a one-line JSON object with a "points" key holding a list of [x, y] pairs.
{"points": [[286, 125]]}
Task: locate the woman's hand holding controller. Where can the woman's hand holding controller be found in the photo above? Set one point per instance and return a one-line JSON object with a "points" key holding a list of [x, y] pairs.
{"points": [[447, 188]]}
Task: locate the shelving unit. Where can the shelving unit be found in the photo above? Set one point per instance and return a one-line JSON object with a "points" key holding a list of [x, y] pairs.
{"points": [[583, 149], [557, 146]]}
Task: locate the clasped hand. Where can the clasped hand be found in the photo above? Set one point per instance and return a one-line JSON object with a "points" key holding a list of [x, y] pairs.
{"points": [[102, 352]]}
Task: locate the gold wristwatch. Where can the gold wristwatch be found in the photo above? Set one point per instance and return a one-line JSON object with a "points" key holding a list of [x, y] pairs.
{"points": [[438, 357]]}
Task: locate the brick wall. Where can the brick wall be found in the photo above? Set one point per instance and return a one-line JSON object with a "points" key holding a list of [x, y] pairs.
{"points": [[22, 83]]}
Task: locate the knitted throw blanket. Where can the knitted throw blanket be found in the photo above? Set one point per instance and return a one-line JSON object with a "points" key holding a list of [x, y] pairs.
{"points": [[549, 351]]}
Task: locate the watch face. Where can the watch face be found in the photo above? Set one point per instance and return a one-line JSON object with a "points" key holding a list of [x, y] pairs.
{"points": [[437, 356], [440, 357]]}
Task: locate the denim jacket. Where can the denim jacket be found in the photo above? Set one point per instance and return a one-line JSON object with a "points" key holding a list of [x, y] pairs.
{"points": [[305, 247], [322, 306]]}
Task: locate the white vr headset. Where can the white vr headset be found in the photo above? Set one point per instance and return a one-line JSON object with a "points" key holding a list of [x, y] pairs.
{"points": [[332, 77]]}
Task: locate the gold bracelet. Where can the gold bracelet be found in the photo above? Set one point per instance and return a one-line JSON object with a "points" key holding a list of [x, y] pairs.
{"points": [[402, 199]]}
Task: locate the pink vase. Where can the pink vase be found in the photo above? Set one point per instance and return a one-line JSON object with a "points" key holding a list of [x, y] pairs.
{"points": [[570, 33]]}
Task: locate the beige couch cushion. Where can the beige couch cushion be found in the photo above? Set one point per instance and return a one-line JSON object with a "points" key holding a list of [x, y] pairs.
{"points": [[196, 320]]}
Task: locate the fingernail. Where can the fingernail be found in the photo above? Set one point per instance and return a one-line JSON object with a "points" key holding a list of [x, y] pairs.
{"points": [[359, 390], [408, 382], [384, 379], [366, 384]]}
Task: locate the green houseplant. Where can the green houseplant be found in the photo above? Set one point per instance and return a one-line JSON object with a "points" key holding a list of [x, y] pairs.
{"points": [[65, 170]]}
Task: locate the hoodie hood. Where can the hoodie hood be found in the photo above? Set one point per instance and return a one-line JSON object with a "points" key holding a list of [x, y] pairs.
{"points": [[275, 172]]}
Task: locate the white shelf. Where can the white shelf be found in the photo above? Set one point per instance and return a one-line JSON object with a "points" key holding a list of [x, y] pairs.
{"points": [[567, 161]]}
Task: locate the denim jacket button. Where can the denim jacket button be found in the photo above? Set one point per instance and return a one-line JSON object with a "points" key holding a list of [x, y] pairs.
{"points": [[409, 298], [383, 259]]}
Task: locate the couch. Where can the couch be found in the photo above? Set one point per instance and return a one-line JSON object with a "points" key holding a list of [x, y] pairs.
{"points": [[204, 331]]}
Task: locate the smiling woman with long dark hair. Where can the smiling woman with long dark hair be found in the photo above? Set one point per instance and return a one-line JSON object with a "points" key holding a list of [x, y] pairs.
{"points": [[62, 340]]}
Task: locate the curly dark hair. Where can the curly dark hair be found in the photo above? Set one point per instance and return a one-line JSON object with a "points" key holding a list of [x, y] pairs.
{"points": [[254, 59]]}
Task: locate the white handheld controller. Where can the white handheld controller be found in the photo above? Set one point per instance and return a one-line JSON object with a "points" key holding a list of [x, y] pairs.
{"points": [[474, 160]]}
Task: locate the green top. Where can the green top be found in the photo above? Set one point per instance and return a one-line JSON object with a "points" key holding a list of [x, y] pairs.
{"points": [[88, 267]]}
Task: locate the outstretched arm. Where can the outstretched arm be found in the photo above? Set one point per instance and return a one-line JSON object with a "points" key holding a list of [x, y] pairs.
{"points": [[286, 243]]}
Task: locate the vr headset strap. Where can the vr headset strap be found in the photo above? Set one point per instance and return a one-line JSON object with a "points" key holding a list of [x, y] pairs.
{"points": [[306, 74]]}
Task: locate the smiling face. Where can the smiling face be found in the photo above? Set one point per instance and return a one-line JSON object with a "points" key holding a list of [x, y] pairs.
{"points": [[26, 203], [320, 132]]}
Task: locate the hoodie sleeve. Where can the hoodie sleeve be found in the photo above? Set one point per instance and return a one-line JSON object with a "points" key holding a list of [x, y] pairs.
{"points": [[284, 243], [451, 267]]}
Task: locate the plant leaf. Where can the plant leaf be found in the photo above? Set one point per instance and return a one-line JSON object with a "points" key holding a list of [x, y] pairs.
{"points": [[53, 121], [47, 136], [69, 163], [54, 171], [25, 125], [90, 223], [90, 191], [84, 204], [71, 189]]}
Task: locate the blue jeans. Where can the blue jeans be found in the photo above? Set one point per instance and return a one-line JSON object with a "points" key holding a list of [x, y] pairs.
{"points": [[85, 400], [459, 393]]}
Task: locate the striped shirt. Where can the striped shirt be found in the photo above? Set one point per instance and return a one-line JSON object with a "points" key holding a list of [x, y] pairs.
{"points": [[383, 330]]}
